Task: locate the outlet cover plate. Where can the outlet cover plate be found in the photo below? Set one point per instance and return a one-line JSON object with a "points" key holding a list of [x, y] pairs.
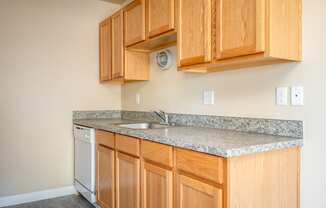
{"points": [[282, 96], [297, 95], [208, 97]]}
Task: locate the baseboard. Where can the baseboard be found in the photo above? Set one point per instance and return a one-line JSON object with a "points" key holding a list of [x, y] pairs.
{"points": [[36, 196]]}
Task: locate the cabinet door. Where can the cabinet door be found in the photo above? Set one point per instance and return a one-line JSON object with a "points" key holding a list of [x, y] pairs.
{"points": [[105, 51], [160, 16], [117, 45], [192, 193], [240, 27], [194, 31], [157, 185], [105, 177], [127, 181], [134, 22]]}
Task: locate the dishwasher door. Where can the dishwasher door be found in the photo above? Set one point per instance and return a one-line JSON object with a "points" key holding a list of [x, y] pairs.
{"points": [[85, 158]]}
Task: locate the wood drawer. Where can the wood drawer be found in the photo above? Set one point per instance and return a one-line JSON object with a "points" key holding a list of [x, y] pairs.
{"points": [[105, 138], [202, 165], [129, 145], [159, 153]]}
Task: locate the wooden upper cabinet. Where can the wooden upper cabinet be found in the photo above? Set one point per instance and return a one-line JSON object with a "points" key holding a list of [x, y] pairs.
{"points": [[159, 16], [117, 45], [194, 31], [192, 193], [105, 182], [134, 22], [105, 50], [240, 27], [157, 183], [127, 181]]}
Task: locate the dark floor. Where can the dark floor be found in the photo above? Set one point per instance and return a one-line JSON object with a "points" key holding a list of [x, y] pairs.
{"points": [[72, 201]]}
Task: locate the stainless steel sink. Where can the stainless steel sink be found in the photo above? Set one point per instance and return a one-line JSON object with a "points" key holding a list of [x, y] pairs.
{"points": [[143, 126]]}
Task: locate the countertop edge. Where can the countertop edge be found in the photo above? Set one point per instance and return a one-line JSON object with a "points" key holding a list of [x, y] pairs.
{"points": [[243, 151]]}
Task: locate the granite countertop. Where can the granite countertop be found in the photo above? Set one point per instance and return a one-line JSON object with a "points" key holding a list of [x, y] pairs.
{"points": [[224, 143]]}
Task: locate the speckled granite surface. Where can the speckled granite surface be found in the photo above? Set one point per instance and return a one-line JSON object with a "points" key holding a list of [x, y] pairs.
{"points": [[287, 128], [96, 114], [220, 142]]}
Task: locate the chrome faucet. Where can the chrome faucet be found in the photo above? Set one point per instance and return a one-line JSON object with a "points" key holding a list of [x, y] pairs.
{"points": [[163, 116]]}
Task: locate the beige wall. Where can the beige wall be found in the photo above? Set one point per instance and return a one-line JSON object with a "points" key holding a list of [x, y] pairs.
{"points": [[250, 93], [48, 67]]}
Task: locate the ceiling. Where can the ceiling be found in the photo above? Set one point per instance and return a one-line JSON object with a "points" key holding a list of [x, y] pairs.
{"points": [[115, 1]]}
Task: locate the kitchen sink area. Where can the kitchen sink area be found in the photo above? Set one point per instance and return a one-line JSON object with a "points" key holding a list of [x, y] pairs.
{"points": [[143, 126]]}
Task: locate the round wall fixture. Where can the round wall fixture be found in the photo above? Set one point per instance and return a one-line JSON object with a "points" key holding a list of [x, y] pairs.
{"points": [[164, 59]]}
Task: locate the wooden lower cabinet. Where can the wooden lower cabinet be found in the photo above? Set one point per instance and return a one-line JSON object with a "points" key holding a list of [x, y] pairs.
{"points": [[130, 174], [157, 187], [127, 181], [192, 193], [105, 177]]}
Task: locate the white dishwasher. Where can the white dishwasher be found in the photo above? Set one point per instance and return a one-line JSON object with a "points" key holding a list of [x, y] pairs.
{"points": [[85, 167]]}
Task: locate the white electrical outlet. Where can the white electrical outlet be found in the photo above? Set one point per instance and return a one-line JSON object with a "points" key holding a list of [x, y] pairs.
{"points": [[208, 97], [282, 96], [137, 98], [297, 95]]}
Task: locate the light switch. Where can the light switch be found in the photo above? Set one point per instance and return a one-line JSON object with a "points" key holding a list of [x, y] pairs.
{"points": [[208, 97], [282, 96], [297, 95], [137, 98]]}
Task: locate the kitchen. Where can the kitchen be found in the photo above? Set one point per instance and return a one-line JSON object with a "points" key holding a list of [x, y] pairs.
{"points": [[235, 128]]}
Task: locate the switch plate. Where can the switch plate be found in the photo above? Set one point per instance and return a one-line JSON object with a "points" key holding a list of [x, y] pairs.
{"points": [[137, 98], [297, 95], [208, 97], [282, 96]]}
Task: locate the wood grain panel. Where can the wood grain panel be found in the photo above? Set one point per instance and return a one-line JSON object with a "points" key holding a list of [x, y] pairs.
{"points": [[194, 32], [157, 183], [202, 165], [105, 138], [105, 50], [240, 27], [268, 180], [159, 16], [192, 193], [284, 29], [136, 66], [117, 45], [134, 22], [159, 153], [129, 145], [156, 43], [127, 181], [105, 180]]}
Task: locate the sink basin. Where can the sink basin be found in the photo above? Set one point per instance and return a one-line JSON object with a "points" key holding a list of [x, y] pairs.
{"points": [[143, 126]]}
